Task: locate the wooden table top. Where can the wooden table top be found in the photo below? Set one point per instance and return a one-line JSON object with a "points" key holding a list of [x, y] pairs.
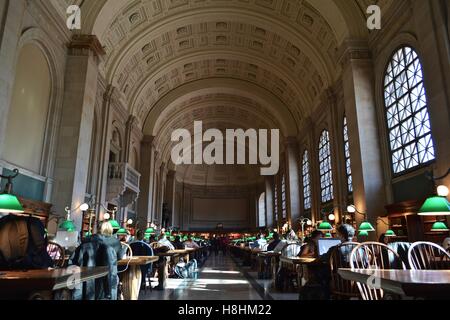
{"points": [[171, 253], [137, 261], [412, 283], [269, 254], [44, 279], [298, 260]]}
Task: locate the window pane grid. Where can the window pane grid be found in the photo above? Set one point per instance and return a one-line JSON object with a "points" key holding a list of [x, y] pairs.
{"points": [[306, 177], [275, 196], [283, 196], [348, 167], [326, 174], [410, 139]]}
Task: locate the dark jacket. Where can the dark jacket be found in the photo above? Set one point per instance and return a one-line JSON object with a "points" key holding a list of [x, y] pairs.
{"points": [[273, 245], [95, 252]]}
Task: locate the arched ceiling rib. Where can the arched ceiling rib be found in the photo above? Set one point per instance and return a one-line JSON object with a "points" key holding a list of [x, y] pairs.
{"points": [[189, 69], [244, 89], [220, 111]]}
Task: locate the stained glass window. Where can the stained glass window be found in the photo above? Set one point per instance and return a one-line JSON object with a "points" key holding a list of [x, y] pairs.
{"points": [[348, 168], [283, 196], [410, 139], [326, 174], [306, 177]]}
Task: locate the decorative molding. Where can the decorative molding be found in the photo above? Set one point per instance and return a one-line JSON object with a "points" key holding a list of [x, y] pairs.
{"points": [[353, 50], [82, 44]]}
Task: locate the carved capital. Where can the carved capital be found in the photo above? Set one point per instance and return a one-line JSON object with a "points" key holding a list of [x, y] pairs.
{"points": [[82, 44], [353, 50]]}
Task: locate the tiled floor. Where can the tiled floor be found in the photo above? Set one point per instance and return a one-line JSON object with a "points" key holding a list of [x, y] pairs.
{"points": [[219, 279]]}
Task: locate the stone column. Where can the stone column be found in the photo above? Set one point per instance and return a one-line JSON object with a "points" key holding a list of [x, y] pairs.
{"points": [[105, 143], [128, 136], [73, 151], [292, 180], [269, 202], [11, 16], [145, 201], [169, 195], [368, 182]]}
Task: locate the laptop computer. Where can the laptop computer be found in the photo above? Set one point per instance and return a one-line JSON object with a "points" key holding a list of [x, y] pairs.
{"points": [[326, 244]]}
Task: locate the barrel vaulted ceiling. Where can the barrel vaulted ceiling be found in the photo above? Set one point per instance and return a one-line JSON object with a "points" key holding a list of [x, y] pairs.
{"points": [[244, 63]]}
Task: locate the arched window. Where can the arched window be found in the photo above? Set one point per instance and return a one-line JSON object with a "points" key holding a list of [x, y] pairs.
{"points": [[410, 139], [306, 177], [326, 174], [262, 210], [27, 118], [283, 196], [348, 168]]}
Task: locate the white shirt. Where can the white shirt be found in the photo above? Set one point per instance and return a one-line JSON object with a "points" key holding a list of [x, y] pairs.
{"points": [[261, 243], [166, 243], [191, 245]]}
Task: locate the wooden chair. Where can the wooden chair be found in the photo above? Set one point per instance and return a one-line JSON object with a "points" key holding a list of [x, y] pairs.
{"points": [[374, 256], [340, 258], [127, 249], [291, 250], [428, 256], [291, 275], [57, 253]]}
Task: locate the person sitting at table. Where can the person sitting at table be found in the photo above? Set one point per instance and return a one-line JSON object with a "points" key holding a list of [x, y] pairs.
{"points": [[101, 249], [107, 237], [274, 243], [177, 244], [261, 242], [142, 249], [310, 250], [164, 242], [383, 239], [152, 238], [346, 234], [191, 244]]}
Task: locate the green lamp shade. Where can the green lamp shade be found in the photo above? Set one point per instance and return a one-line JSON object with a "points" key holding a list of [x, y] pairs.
{"points": [[435, 206], [10, 204], [366, 226], [325, 226], [122, 232], [114, 224], [439, 227], [67, 225], [363, 234], [390, 233]]}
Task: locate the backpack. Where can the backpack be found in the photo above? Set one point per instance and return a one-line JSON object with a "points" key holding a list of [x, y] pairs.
{"points": [[23, 244], [186, 270]]}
